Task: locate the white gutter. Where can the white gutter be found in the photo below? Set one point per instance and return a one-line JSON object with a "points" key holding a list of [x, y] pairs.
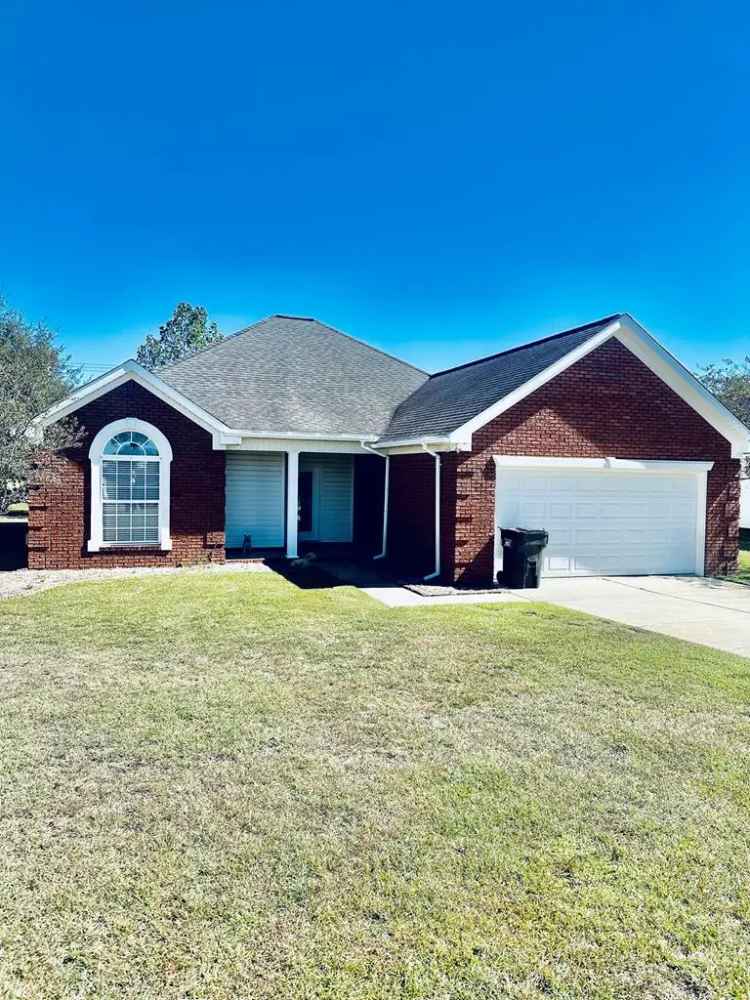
{"points": [[443, 440], [436, 456], [367, 447], [304, 436]]}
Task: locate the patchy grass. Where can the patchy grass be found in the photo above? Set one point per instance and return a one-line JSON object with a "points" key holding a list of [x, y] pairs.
{"points": [[223, 787], [743, 569]]}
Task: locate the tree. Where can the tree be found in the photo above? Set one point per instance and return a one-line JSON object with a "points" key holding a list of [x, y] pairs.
{"points": [[34, 374], [730, 383], [185, 333]]}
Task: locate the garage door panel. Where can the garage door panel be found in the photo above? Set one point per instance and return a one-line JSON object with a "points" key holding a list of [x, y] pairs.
{"points": [[605, 522]]}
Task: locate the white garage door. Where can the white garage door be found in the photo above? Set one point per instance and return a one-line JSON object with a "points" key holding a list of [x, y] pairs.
{"points": [[606, 522], [254, 498]]}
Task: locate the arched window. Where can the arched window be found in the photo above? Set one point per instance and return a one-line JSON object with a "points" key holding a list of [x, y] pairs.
{"points": [[130, 462]]}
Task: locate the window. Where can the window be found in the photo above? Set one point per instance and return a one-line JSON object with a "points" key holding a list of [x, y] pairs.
{"points": [[130, 490], [129, 486]]}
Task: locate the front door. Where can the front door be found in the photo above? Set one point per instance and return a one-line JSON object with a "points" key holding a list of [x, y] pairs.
{"points": [[308, 504]]}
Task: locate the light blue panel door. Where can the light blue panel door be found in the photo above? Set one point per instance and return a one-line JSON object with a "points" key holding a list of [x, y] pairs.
{"points": [[254, 503], [332, 484]]}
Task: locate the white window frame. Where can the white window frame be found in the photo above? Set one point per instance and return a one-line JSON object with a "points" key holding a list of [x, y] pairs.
{"points": [[96, 457]]}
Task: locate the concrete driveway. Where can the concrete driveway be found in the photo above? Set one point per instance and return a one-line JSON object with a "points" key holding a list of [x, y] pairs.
{"points": [[699, 609], [695, 608]]}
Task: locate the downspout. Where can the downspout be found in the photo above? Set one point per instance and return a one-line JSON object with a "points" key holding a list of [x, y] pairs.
{"points": [[436, 456], [381, 554]]}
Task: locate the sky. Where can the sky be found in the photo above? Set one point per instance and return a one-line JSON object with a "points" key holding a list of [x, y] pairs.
{"points": [[441, 180]]}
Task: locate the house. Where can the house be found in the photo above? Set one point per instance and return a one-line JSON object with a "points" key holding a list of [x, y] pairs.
{"points": [[290, 434]]}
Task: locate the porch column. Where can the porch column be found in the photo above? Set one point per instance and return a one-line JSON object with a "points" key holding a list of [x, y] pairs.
{"points": [[292, 502]]}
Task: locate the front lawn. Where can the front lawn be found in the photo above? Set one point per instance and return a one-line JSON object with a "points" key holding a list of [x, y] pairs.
{"points": [[223, 788]]}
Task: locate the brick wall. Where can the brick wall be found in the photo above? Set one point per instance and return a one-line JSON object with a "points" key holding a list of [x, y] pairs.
{"points": [[411, 514], [608, 403], [59, 514]]}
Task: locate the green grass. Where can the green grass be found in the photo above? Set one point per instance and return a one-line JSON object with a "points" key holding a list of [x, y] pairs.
{"points": [[743, 569], [219, 786]]}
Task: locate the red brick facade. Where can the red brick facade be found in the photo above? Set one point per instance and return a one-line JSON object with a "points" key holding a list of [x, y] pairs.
{"points": [[609, 403], [59, 514]]}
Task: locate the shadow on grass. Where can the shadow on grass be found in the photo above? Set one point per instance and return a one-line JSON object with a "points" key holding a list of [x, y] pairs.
{"points": [[304, 575]]}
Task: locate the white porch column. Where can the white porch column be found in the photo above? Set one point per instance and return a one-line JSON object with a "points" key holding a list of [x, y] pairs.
{"points": [[292, 502]]}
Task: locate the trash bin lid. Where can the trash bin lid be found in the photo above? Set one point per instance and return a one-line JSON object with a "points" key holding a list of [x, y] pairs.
{"points": [[525, 535]]}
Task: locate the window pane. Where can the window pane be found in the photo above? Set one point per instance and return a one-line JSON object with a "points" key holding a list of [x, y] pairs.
{"points": [[152, 480], [124, 484], [109, 533], [131, 448], [109, 480], [130, 490], [137, 480]]}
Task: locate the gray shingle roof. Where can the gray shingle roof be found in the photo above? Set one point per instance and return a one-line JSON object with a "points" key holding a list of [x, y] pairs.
{"points": [[449, 398], [288, 373]]}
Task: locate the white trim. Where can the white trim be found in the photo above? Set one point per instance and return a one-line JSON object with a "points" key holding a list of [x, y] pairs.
{"points": [[96, 456], [436, 572], [698, 469], [535, 383], [656, 357], [701, 503], [624, 464], [386, 498], [405, 446], [131, 371], [292, 502], [311, 445], [387, 458], [305, 436], [648, 350]]}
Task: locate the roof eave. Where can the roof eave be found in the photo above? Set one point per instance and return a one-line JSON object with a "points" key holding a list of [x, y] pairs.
{"points": [[130, 370], [654, 355]]}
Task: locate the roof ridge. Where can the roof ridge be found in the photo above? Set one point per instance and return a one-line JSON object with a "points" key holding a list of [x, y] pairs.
{"points": [[378, 350], [302, 319], [530, 343]]}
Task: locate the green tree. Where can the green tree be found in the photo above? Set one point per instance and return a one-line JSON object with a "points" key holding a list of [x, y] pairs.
{"points": [[185, 333], [34, 374], [730, 383]]}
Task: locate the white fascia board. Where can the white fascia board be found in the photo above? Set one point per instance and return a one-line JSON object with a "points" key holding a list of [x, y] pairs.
{"points": [[306, 435], [656, 357], [322, 445], [132, 371], [415, 446], [466, 430], [594, 464], [682, 381]]}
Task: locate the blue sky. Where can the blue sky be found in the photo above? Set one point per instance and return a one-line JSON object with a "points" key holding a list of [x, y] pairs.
{"points": [[443, 181]]}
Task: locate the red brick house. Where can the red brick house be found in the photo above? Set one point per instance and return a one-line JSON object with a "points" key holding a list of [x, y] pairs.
{"points": [[293, 434]]}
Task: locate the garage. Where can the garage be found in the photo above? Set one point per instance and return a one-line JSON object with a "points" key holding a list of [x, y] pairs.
{"points": [[607, 517]]}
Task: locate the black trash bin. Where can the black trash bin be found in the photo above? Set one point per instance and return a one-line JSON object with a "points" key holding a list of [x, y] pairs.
{"points": [[522, 557]]}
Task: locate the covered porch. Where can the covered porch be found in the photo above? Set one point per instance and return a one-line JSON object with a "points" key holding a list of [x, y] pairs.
{"points": [[292, 501]]}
